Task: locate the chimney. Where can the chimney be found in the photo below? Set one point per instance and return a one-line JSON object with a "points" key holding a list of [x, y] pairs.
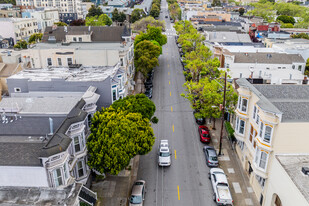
{"points": [[51, 126]]}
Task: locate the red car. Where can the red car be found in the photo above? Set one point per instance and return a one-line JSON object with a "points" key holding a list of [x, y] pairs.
{"points": [[204, 134]]}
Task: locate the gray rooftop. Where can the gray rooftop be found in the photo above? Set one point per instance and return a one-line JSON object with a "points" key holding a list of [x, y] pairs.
{"points": [[38, 105], [292, 101], [228, 37], [40, 196], [78, 74], [267, 58], [293, 164]]}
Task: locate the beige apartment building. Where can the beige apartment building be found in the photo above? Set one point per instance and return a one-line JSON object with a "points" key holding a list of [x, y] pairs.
{"points": [[269, 120]]}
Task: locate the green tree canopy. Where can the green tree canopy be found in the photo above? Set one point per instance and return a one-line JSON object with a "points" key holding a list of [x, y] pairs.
{"points": [[21, 44], [216, 3], [116, 137], [301, 35], [184, 27], [94, 11], [175, 11], [136, 104], [122, 17], [142, 24], [153, 33], [60, 23], [35, 38], [78, 22], [156, 43], [286, 19], [241, 11], [307, 68], [115, 15], [136, 15], [101, 20], [146, 56], [155, 11]]}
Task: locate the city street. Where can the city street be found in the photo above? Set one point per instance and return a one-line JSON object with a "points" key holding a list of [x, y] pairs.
{"points": [[186, 181]]}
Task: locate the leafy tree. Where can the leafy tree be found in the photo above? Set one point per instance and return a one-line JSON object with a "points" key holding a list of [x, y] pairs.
{"points": [[116, 137], [35, 37], [264, 10], [207, 95], [216, 3], [190, 41], [184, 27], [136, 15], [60, 23], [301, 35], [286, 19], [307, 68], [153, 33], [142, 24], [21, 44], [288, 25], [94, 11], [156, 43], [101, 20], [78, 22], [155, 11], [146, 56], [115, 15], [175, 11], [122, 17], [136, 104], [241, 11]]}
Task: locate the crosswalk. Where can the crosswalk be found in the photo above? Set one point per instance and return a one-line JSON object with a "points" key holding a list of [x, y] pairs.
{"points": [[170, 32]]}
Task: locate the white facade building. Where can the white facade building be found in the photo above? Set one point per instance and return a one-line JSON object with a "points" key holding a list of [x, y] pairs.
{"points": [[45, 17], [18, 28]]}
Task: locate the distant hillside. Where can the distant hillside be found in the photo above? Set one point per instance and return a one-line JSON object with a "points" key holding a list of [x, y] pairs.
{"points": [[8, 2]]}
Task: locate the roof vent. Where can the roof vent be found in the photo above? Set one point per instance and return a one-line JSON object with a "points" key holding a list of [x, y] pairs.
{"points": [[305, 170], [268, 56]]}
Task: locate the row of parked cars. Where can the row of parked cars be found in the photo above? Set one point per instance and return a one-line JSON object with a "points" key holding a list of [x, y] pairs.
{"points": [[220, 185], [149, 84]]}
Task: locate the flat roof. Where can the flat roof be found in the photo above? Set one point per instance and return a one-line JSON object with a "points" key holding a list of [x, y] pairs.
{"points": [[77, 74], [39, 105], [292, 164]]}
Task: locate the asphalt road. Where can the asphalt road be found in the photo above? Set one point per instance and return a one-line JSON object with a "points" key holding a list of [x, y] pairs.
{"points": [[186, 181]]}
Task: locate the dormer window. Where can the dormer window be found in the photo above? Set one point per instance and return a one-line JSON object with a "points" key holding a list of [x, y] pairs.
{"points": [[74, 39]]}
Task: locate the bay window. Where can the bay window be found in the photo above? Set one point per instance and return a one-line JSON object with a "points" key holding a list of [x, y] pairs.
{"points": [[261, 158], [240, 125], [57, 177], [81, 167], [79, 143], [265, 132], [76, 144], [242, 104]]}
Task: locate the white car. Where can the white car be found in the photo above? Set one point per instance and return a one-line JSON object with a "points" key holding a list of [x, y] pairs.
{"points": [[220, 186], [164, 154], [138, 193]]}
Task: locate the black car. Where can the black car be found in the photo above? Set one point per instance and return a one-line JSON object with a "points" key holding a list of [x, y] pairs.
{"points": [[148, 93], [166, 16], [148, 85], [199, 120]]}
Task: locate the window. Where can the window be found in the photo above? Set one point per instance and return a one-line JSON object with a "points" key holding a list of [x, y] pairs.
{"points": [[293, 66], [59, 62], [17, 89], [240, 125], [74, 39], [80, 168], [279, 67], [261, 129], [254, 112], [80, 39], [267, 133], [299, 68], [49, 62], [76, 144], [57, 177], [260, 180], [121, 61], [257, 119], [65, 170], [69, 61], [261, 158], [242, 104], [114, 95], [283, 67]]}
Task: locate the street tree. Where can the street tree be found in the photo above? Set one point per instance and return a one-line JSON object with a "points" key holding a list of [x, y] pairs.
{"points": [[307, 67], [136, 15], [101, 20], [191, 40], [216, 3], [115, 15], [155, 11], [286, 19], [175, 11], [116, 137], [122, 17], [34, 38], [146, 56], [142, 24], [184, 27], [94, 11], [206, 96], [138, 103], [241, 11], [21, 44], [153, 33], [78, 22], [60, 23]]}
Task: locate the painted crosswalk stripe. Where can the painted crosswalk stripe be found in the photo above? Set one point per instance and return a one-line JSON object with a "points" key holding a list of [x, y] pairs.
{"points": [[237, 187]]}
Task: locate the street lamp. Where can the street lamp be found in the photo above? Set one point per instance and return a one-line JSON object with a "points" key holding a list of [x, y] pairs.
{"points": [[223, 108]]}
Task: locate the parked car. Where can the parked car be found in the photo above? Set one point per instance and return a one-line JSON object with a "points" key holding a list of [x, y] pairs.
{"points": [[166, 16], [199, 120], [211, 156], [204, 134], [220, 186], [138, 193], [164, 154], [148, 86], [148, 93]]}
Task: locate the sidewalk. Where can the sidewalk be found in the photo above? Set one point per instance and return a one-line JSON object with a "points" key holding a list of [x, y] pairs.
{"points": [[240, 188], [114, 190]]}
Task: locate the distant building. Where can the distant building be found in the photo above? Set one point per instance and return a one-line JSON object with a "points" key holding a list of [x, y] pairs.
{"points": [[45, 17], [118, 3], [271, 120], [108, 10], [220, 26], [9, 12], [273, 68], [18, 28]]}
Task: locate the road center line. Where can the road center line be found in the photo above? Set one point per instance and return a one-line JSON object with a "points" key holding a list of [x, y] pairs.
{"points": [[168, 73], [178, 192], [171, 109], [175, 155], [173, 128], [170, 93], [169, 82], [168, 65]]}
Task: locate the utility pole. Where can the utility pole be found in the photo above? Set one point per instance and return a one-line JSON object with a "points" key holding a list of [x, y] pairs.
{"points": [[222, 123]]}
